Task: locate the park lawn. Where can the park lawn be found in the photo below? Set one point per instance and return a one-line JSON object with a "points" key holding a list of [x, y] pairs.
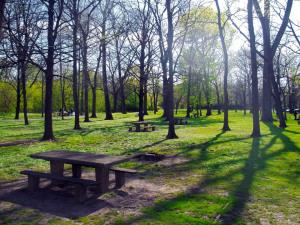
{"points": [[228, 177]]}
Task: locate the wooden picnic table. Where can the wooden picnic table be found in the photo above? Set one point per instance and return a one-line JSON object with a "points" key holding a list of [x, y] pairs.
{"points": [[102, 164], [139, 124]]}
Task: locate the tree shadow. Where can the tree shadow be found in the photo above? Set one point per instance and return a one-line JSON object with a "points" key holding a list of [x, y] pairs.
{"points": [[241, 194], [59, 203]]}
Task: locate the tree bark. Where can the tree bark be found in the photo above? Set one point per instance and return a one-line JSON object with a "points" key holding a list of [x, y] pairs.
{"points": [[48, 128], [18, 91], [121, 80], [255, 95], [188, 92], [269, 53], [94, 88], [85, 78], [170, 88], [24, 92], [108, 114], [225, 54], [75, 72]]}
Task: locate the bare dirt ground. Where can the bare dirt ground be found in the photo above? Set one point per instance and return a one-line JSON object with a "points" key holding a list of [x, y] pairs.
{"points": [[20, 142]]}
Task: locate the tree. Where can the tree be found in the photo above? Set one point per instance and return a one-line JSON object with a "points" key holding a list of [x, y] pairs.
{"points": [[255, 104], [269, 53], [105, 9], [225, 55], [170, 88], [84, 25], [52, 31], [23, 32], [74, 15]]}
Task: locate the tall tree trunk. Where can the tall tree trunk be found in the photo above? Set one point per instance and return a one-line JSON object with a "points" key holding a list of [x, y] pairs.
{"points": [[48, 128], [94, 88], [249, 92], [188, 92], [164, 93], [141, 90], [255, 95], [121, 80], [42, 98], [199, 103], [108, 114], [145, 97], [85, 79], [24, 92], [218, 99], [62, 80], [81, 83], [245, 96], [268, 64], [142, 75], [75, 72], [170, 88], [122, 96], [269, 53], [114, 92], [208, 108], [18, 91], [225, 55]]}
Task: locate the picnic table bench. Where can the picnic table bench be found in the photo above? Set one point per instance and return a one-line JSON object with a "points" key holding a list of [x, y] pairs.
{"points": [[180, 120], [102, 164], [142, 126]]}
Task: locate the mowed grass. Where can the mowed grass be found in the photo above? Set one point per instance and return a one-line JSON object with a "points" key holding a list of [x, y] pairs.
{"points": [[229, 178]]}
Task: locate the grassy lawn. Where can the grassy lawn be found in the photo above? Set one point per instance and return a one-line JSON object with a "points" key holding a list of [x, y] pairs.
{"points": [[229, 178]]}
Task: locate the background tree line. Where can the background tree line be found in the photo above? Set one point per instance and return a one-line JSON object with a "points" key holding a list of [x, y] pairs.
{"points": [[141, 55]]}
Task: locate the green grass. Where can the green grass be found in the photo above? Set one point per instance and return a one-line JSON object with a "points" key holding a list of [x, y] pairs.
{"points": [[229, 177]]}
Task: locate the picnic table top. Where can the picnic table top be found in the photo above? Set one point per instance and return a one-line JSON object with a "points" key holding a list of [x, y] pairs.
{"points": [[81, 158]]}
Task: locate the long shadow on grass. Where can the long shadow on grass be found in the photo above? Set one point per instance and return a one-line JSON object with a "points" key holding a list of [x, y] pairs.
{"points": [[227, 210]]}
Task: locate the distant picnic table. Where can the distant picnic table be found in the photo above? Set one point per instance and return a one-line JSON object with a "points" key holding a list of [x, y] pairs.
{"points": [[142, 126], [180, 120], [101, 162]]}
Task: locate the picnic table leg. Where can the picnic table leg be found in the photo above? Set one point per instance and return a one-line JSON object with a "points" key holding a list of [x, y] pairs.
{"points": [[56, 168], [102, 176], [137, 127], [76, 171]]}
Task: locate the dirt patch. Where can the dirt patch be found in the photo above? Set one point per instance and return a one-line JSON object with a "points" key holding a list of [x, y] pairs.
{"points": [[21, 142]]}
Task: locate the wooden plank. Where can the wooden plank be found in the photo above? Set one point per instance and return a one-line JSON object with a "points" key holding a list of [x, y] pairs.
{"points": [[76, 171], [102, 177], [85, 182], [57, 168], [81, 158], [120, 179], [125, 170]]}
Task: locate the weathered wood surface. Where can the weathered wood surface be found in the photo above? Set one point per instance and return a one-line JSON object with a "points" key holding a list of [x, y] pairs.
{"points": [[125, 170], [84, 182], [81, 158], [120, 174]]}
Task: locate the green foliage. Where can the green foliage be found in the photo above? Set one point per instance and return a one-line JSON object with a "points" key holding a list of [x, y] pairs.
{"points": [[7, 94]]}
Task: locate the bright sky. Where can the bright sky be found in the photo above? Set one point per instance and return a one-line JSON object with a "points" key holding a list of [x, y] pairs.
{"points": [[239, 40]]}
